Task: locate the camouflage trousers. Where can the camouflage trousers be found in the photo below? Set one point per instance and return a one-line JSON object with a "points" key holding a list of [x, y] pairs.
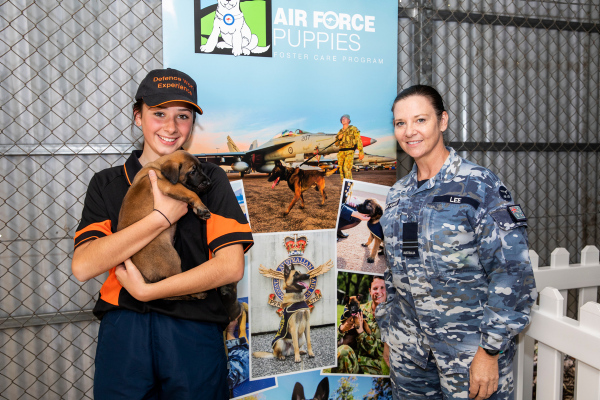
{"points": [[411, 382], [345, 163], [238, 363], [348, 363]]}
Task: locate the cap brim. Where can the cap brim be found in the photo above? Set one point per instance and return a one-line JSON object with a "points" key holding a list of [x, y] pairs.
{"points": [[152, 101]]}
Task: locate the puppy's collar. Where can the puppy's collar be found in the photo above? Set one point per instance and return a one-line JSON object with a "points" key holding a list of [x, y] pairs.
{"points": [[220, 15]]}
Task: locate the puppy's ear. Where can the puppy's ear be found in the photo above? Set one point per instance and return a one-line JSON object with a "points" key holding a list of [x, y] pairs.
{"points": [[359, 297], [346, 299], [170, 170], [322, 392], [286, 270], [298, 393]]}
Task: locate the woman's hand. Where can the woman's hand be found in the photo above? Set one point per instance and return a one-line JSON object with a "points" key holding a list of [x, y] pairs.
{"points": [[171, 209], [361, 216], [483, 375], [132, 280], [386, 354]]}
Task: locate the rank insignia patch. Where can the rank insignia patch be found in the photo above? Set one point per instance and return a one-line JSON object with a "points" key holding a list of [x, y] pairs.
{"points": [[517, 213], [504, 193]]}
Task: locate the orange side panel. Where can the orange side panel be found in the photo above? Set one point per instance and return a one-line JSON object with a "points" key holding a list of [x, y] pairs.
{"points": [[217, 226], [111, 288], [104, 227]]}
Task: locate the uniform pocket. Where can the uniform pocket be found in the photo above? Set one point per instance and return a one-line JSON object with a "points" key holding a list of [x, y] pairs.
{"points": [[450, 244]]}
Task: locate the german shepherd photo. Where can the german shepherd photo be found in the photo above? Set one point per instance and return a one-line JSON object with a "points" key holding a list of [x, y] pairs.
{"points": [[294, 330], [295, 297], [360, 237], [299, 180]]}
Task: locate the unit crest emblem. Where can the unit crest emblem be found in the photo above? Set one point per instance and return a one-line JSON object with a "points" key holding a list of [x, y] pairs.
{"points": [[295, 247]]}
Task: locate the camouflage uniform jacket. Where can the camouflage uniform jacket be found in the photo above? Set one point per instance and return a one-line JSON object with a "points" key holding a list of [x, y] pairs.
{"points": [[371, 345], [458, 271], [349, 138]]}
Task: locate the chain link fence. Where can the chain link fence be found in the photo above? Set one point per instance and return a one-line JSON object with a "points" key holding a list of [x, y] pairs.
{"points": [[521, 81]]}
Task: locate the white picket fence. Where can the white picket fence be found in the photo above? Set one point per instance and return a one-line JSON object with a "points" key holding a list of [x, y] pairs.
{"points": [[557, 334]]}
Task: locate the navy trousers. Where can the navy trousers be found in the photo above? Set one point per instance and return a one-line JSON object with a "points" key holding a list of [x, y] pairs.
{"points": [[153, 356]]}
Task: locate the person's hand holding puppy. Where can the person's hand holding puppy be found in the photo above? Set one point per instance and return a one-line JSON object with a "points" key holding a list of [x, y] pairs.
{"points": [[171, 208]]}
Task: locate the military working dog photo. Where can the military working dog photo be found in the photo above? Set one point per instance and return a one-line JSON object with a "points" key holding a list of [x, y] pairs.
{"points": [[293, 290], [360, 241], [359, 345]]}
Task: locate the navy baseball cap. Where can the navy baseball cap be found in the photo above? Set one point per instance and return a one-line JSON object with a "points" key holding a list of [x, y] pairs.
{"points": [[162, 86]]}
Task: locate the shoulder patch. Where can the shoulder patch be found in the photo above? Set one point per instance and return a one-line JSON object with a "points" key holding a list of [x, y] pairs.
{"points": [[516, 212], [504, 193]]}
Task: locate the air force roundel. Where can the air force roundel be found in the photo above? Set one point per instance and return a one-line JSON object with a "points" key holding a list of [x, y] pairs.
{"points": [[228, 19]]}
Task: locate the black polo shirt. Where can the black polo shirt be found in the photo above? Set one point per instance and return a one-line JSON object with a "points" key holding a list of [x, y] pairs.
{"points": [[196, 240]]}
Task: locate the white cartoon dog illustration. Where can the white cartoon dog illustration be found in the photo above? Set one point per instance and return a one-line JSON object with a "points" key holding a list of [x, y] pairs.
{"points": [[236, 34]]}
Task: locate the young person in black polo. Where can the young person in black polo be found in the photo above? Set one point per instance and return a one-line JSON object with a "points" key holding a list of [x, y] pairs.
{"points": [[149, 348]]}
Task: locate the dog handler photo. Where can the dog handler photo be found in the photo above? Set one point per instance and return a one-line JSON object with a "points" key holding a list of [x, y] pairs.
{"points": [[149, 347], [368, 357], [459, 281]]}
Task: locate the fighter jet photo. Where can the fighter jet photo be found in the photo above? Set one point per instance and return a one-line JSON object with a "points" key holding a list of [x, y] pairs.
{"points": [[289, 146]]}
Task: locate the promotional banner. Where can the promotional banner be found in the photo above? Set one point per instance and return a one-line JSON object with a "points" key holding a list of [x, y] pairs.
{"points": [[296, 99]]}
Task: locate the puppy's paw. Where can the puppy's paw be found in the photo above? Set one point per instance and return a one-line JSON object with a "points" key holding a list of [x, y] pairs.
{"points": [[302, 207], [202, 213], [236, 52], [223, 45], [245, 51], [282, 357], [297, 358], [364, 245], [370, 260], [302, 352], [311, 354], [199, 296]]}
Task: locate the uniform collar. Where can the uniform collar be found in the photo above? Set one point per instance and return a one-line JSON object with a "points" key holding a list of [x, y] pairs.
{"points": [[446, 173], [132, 166]]}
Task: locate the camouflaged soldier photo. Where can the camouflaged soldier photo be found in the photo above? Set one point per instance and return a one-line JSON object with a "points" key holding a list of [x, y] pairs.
{"points": [[359, 351], [348, 140], [459, 281]]}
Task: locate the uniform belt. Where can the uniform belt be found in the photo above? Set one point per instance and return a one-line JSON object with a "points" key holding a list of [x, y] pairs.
{"points": [[347, 149]]}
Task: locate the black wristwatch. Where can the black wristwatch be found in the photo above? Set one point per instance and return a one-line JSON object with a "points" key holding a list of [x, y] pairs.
{"points": [[491, 352]]}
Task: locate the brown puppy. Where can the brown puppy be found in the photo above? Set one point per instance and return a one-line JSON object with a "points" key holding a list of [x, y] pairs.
{"points": [[180, 176], [299, 180], [294, 329], [372, 208], [350, 318]]}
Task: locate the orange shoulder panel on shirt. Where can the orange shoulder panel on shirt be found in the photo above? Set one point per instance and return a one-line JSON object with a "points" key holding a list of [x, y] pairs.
{"points": [[109, 292], [217, 226], [104, 227]]}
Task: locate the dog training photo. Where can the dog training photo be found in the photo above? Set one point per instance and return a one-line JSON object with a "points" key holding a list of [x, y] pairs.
{"points": [[360, 241], [359, 345], [292, 277]]}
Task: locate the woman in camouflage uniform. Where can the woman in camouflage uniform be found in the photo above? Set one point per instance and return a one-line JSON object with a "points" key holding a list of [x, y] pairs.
{"points": [[459, 282]]}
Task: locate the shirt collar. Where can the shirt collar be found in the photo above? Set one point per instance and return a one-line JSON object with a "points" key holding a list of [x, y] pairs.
{"points": [[447, 172], [132, 166]]}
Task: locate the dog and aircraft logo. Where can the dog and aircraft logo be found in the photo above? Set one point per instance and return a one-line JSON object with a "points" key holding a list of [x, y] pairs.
{"points": [[233, 27], [295, 246]]}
